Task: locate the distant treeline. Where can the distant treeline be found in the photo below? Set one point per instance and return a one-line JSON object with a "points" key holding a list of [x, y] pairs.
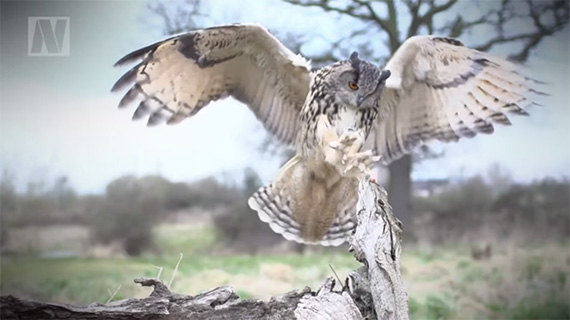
{"points": [[126, 212], [489, 209], [465, 209]]}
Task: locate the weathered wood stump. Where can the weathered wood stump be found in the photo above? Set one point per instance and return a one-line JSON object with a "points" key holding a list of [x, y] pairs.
{"points": [[374, 291]]}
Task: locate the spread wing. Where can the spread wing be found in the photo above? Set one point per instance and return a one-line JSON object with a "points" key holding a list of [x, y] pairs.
{"points": [[179, 76], [442, 90]]}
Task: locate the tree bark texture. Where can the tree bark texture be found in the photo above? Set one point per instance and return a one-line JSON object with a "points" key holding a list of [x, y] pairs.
{"points": [[374, 291]]}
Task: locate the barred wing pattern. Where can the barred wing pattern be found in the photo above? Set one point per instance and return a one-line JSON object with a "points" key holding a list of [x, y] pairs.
{"points": [[179, 76], [442, 90], [438, 90]]}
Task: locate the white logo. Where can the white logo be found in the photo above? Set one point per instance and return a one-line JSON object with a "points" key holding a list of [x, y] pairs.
{"points": [[48, 36]]}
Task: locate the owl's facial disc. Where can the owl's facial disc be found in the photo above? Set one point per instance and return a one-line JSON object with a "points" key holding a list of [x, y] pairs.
{"points": [[359, 83], [373, 80]]}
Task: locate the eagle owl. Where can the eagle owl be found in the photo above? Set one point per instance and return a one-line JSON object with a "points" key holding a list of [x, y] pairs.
{"points": [[341, 119]]}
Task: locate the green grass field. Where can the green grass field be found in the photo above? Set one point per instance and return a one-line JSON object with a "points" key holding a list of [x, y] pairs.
{"points": [[529, 283]]}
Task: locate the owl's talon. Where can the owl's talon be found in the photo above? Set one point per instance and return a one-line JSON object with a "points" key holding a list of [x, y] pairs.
{"points": [[346, 157], [357, 164], [335, 145], [348, 140]]}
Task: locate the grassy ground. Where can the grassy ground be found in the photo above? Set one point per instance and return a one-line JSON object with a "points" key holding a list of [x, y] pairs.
{"points": [[442, 283]]}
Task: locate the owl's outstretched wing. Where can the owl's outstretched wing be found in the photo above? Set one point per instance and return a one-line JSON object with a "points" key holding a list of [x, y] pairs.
{"points": [[441, 90], [180, 75]]}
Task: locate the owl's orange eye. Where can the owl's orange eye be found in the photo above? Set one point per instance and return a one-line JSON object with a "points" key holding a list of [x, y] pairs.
{"points": [[352, 85]]}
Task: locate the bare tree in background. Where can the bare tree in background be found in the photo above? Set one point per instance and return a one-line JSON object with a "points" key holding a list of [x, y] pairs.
{"points": [[181, 17], [520, 24], [523, 24]]}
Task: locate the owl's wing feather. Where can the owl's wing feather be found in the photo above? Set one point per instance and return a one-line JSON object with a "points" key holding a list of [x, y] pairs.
{"points": [[180, 75], [441, 90]]}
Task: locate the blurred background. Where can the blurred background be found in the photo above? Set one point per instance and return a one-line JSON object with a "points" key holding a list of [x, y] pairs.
{"points": [[90, 200]]}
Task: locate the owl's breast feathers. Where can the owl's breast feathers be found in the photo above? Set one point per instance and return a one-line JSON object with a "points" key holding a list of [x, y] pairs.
{"points": [[341, 118]]}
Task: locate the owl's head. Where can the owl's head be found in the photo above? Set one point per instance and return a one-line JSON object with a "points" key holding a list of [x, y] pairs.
{"points": [[357, 83]]}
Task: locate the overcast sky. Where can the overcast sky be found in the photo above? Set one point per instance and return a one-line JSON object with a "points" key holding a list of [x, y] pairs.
{"points": [[58, 117]]}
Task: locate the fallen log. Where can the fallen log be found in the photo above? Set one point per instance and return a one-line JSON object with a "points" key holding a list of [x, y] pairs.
{"points": [[374, 291]]}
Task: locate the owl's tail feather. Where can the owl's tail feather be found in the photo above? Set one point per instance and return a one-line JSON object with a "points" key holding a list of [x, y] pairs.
{"points": [[273, 204]]}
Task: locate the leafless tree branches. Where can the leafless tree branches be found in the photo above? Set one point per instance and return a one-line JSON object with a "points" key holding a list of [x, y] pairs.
{"points": [[545, 16], [181, 18]]}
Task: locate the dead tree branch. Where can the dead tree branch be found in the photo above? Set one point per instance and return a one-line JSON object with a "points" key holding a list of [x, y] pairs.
{"points": [[547, 17], [374, 291], [183, 18], [542, 17], [377, 244]]}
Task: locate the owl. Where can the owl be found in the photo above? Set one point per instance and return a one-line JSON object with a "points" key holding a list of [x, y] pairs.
{"points": [[341, 119]]}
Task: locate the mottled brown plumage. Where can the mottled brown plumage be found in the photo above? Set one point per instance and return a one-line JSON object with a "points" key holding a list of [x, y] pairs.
{"points": [[433, 88]]}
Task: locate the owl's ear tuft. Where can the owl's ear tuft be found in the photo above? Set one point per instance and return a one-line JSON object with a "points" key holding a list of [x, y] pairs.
{"points": [[385, 75], [354, 60]]}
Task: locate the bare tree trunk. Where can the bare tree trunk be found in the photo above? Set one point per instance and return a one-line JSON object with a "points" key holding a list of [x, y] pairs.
{"points": [[374, 291], [400, 188]]}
